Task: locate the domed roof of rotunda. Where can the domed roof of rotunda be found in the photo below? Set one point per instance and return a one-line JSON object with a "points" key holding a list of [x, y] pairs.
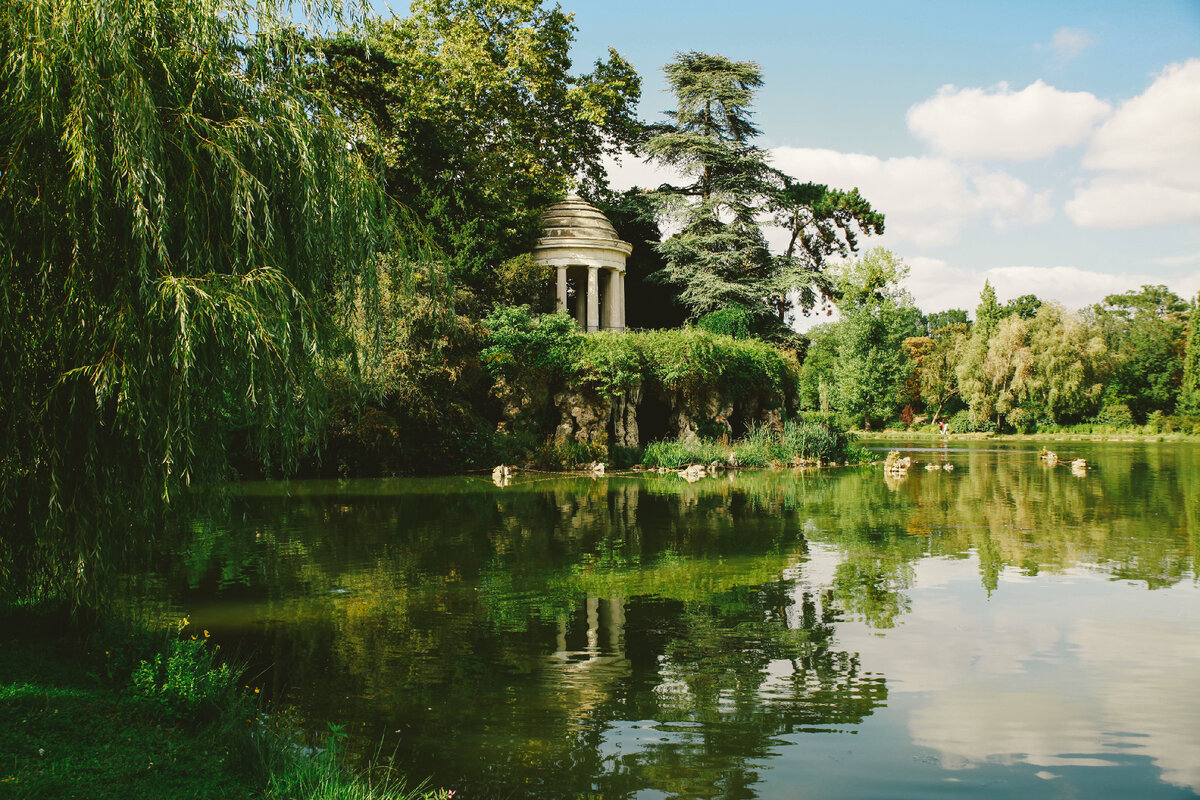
{"points": [[576, 218]]}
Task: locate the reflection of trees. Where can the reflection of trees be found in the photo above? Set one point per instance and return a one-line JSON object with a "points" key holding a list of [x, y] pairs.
{"points": [[524, 625]]}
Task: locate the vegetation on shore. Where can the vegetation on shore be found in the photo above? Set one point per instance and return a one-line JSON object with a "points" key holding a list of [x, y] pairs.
{"points": [[813, 440], [114, 711], [1126, 364]]}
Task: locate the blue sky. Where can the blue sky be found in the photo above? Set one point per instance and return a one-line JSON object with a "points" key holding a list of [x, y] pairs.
{"points": [[1051, 148]]}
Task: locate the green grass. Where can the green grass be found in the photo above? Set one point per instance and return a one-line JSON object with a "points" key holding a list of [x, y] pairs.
{"points": [[803, 442], [77, 721]]}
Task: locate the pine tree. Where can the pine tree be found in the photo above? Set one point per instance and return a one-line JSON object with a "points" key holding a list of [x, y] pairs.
{"points": [[720, 256], [988, 313]]}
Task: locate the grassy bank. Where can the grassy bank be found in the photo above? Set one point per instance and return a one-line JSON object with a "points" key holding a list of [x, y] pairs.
{"points": [[812, 440], [93, 711]]}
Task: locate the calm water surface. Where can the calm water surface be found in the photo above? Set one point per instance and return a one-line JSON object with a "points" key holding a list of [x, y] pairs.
{"points": [[1004, 629]]}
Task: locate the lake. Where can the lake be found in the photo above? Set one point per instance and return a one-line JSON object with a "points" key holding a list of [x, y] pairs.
{"points": [[1003, 629]]}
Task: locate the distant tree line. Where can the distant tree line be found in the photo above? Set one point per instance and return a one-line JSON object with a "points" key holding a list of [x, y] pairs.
{"points": [[1024, 366]]}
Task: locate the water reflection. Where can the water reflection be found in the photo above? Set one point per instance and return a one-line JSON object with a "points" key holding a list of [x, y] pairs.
{"points": [[647, 636]]}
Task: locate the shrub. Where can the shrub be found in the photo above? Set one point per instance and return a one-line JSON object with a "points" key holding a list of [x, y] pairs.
{"points": [[961, 422], [812, 437], [518, 340], [1115, 415], [189, 681], [733, 320]]}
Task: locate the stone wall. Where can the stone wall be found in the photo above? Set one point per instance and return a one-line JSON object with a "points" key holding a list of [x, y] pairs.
{"points": [[580, 414]]}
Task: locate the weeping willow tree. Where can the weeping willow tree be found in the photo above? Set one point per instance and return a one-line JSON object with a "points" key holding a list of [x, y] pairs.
{"points": [[179, 220]]}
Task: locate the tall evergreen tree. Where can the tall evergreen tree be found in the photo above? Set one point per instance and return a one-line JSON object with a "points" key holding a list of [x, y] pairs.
{"points": [[988, 313], [720, 256]]}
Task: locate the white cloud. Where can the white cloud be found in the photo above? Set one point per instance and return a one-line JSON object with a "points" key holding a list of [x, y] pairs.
{"points": [[998, 123], [1149, 154], [1068, 43], [631, 171], [937, 286], [1124, 202], [926, 201]]}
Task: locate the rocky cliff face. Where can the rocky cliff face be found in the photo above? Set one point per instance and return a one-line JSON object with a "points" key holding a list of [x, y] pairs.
{"points": [[581, 414]]}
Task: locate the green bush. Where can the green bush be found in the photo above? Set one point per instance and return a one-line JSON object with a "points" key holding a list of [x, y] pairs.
{"points": [[519, 340], [733, 320], [809, 439], [189, 681], [1115, 415], [961, 422]]}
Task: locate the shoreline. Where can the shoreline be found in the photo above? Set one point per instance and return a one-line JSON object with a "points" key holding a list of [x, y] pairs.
{"points": [[1060, 436]]}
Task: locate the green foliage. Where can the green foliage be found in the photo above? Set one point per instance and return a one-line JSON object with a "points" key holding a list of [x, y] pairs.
{"points": [[472, 111], [522, 280], [871, 366], [178, 213], [733, 320], [1189, 390], [1026, 307], [1115, 415], [964, 422], [1145, 333], [1048, 368], [720, 256], [518, 340], [189, 681], [693, 361], [811, 439], [675, 454], [988, 313], [939, 320]]}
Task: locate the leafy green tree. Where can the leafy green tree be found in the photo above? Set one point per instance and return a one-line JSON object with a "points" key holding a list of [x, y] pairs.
{"points": [[1189, 392], [820, 222], [944, 319], [1069, 365], [472, 111], [719, 255], [936, 368], [177, 214], [1047, 368], [819, 368], [872, 364], [1144, 332], [988, 313], [1026, 306]]}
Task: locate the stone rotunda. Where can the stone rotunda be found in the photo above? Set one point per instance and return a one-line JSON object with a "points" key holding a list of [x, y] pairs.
{"points": [[589, 260]]}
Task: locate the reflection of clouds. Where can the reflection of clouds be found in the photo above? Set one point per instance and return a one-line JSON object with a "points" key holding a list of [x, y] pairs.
{"points": [[1145, 681], [1060, 671]]}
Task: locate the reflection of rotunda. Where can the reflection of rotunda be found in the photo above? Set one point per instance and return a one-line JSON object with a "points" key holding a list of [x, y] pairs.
{"points": [[589, 259]]}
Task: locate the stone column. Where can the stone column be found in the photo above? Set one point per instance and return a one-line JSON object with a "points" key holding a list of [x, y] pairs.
{"points": [[613, 300], [581, 300], [621, 299], [606, 300], [561, 294], [593, 299]]}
